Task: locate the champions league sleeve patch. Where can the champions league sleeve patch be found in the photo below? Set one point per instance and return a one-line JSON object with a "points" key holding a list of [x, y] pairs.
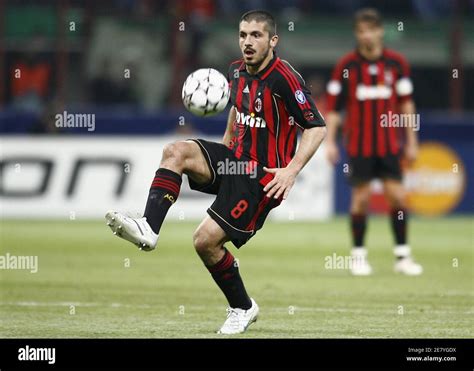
{"points": [[300, 97]]}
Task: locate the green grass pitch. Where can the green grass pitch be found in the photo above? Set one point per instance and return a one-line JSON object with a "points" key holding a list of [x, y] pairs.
{"points": [[91, 284]]}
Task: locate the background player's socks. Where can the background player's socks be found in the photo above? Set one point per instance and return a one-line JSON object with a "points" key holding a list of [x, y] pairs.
{"points": [[163, 193], [227, 276], [358, 227], [399, 222], [402, 251]]}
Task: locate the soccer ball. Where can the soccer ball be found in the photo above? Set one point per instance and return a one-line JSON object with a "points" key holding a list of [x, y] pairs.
{"points": [[205, 92]]}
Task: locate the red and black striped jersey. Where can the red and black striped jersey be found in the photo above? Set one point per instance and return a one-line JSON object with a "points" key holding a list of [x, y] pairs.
{"points": [[270, 105], [367, 90]]}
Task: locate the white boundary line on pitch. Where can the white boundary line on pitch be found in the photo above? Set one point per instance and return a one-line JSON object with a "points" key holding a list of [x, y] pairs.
{"points": [[271, 309], [69, 303]]}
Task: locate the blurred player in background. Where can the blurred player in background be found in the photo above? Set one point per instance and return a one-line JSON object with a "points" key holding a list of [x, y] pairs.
{"points": [[269, 100], [373, 85]]}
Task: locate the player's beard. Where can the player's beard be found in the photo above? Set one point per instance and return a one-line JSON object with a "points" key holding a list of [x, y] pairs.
{"points": [[257, 64], [370, 47], [367, 46]]}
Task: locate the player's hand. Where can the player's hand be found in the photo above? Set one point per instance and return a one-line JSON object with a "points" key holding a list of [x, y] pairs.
{"points": [[411, 152], [332, 153], [282, 182]]}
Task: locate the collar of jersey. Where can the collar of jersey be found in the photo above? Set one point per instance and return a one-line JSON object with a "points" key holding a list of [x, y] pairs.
{"points": [[360, 56], [263, 73]]}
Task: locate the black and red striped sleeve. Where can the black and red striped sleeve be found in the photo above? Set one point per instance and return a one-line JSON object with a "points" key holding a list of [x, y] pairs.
{"points": [[403, 84], [291, 88], [233, 71], [337, 87]]}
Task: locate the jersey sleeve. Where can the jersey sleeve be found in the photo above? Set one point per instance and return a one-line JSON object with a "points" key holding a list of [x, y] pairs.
{"points": [[403, 84], [233, 71], [337, 87], [233, 77], [230, 72], [298, 101]]}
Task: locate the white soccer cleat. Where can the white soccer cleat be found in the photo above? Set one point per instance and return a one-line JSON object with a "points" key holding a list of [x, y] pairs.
{"points": [[238, 320], [359, 264], [408, 266], [137, 231]]}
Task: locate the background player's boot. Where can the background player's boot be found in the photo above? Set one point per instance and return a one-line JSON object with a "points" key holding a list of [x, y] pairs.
{"points": [[405, 263], [137, 231], [238, 320], [360, 265], [408, 266]]}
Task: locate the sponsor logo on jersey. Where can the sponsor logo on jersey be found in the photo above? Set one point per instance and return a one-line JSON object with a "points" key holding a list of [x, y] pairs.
{"points": [[367, 92], [300, 97], [250, 120]]}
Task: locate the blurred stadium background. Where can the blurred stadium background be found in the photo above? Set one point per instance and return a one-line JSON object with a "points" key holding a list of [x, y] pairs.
{"points": [[123, 62]]}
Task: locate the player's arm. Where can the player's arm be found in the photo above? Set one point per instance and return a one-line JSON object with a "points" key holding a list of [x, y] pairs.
{"points": [[407, 107], [302, 109], [333, 120], [285, 177], [228, 131], [336, 91]]}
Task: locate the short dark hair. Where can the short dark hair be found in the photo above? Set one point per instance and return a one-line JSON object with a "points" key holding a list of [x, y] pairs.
{"points": [[369, 15], [261, 16]]}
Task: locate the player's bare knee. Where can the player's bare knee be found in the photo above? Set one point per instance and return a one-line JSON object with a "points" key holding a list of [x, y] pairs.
{"points": [[201, 241], [171, 150], [398, 202], [174, 154], [396, 198], [365, 203], [168, 152], [360, 204]]}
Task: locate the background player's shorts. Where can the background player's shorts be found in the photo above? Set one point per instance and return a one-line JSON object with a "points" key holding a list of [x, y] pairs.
{"points": [[241, 205], [364, 169]]}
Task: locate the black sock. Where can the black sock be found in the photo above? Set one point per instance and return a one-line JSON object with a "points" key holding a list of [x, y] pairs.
{"points": [[358, 227], [227, 276], [164, 192], [399, 226]]}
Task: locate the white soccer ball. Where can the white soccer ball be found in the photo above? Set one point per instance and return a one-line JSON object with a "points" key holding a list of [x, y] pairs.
{"points": [[205, 92]]}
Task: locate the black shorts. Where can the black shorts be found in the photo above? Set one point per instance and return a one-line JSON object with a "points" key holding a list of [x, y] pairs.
{"points": [[241, 205], [364, 169]]}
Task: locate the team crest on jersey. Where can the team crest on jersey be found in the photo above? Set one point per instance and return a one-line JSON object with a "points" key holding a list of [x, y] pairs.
{"points": [[388, 77], [373, 69], [258, 105], [300, 97]]}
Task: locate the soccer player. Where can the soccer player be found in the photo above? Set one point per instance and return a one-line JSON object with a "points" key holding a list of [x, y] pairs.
{"points": [[370, 82], [269, 101]]}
